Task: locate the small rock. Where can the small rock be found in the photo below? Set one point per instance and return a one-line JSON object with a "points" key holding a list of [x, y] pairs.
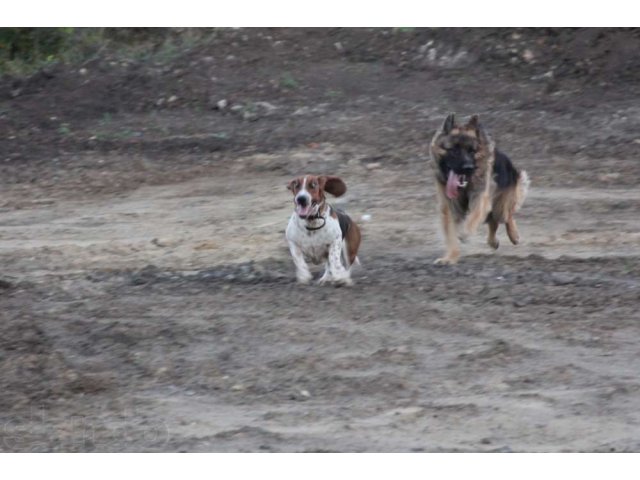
{"points": [[146, 275], [608, 177], [172, 99], [373, 165], [302, 111], [528, 56], [246, 268], [319, 109], [338, 46], [83, 71], [545, 76], [158, 242], [237, 108], [423, 48], [266, 107], [562, 278], [231, 58], [305, 393], [222, 104], [366, 217], [249, 116], [520, 302]]}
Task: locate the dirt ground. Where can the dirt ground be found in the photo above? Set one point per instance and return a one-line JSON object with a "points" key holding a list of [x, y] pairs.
{"points": [[147, 297]]}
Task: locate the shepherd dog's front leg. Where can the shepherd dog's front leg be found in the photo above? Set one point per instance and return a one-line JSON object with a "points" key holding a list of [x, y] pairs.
{"points": [[449, 229], [479, 209]]}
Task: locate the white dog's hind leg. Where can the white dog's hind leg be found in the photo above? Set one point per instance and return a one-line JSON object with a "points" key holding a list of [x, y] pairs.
{"points": [[327, 274], [339, 273]]}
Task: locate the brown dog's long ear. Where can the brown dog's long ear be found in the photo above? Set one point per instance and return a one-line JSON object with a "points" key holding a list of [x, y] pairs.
{"points": [[449, 124], [291, 184], [333, 185]]}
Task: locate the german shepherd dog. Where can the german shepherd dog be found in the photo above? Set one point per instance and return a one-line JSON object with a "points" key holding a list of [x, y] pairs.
{"points": [[476, 183]]}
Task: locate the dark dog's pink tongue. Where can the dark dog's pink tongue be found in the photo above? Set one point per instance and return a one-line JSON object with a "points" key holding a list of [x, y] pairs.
{"points": [[452, 185]]}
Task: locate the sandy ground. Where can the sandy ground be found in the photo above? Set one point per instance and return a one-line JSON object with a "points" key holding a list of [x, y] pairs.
{"points": [[148, 300], [514, 350]]}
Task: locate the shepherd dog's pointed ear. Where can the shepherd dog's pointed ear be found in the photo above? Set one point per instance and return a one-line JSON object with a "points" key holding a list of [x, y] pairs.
{"points": [[449, 124], [333, 185], [481, 133]]}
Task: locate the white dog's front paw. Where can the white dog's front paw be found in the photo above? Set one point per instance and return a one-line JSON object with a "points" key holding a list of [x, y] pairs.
{"points": [[304, 278], [345, 281]]}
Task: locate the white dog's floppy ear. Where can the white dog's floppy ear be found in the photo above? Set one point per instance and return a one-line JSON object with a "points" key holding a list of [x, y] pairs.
{"points": [[291, 184], [333, 185]]}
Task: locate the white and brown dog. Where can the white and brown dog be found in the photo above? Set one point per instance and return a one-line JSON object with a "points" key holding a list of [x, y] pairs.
{"points": [[319, 233]]}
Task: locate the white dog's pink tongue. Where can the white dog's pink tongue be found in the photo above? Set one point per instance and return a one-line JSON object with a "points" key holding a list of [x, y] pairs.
{"points": [[303, 211], [452, 185]]}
